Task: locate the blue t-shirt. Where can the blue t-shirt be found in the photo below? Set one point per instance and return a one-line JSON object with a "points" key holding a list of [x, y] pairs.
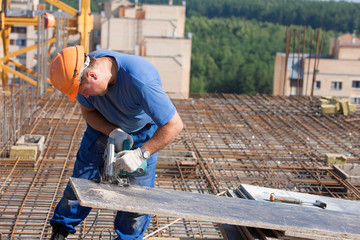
{"points": [[137, 98]]}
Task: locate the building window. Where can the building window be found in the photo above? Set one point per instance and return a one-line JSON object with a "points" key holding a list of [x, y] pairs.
{"points": [[21, 56], [18, 29], [296, 82], [356, 84], [336, 85], [355, 100], [317, 84], [96, 33], [21, 42]]}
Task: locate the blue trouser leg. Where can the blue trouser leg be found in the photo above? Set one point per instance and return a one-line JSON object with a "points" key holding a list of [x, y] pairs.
{"points": [[133, 225], [69, 213]]}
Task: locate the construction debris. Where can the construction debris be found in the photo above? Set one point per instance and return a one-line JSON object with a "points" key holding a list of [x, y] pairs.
{"points": [[334, 158], [334, 105]]}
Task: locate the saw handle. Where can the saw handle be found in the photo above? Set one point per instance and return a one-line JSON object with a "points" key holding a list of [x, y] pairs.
{"points": [[140, 170], [126, 144]]}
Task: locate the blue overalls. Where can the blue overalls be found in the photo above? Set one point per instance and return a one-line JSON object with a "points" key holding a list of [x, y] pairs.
{"points": [[69, 213]]}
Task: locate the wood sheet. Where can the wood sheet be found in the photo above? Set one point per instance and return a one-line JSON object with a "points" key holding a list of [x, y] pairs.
{"points": [[219, 209]]}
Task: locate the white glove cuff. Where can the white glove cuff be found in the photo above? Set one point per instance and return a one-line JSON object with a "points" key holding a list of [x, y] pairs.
{"points": [[139, 154], [114, 132]]}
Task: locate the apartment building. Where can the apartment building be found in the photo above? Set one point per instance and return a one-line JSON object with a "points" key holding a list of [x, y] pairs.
{"points": [[337, 74], [155, 32]]}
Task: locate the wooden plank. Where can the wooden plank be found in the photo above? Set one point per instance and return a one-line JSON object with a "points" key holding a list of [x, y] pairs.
{"points": [[204, 207]]}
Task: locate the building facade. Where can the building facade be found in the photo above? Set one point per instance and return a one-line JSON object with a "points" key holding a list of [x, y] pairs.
{"points": [[336, 75], [155, 32]]}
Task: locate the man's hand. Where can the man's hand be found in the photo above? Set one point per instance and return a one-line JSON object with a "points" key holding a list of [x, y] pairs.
{"points": [[119, 137], [129, 160]]}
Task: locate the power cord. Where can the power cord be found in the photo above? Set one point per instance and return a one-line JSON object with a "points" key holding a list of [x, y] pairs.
{"points": [[97, 215]]}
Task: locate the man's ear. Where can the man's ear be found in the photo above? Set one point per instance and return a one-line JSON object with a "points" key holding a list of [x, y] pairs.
{"points": [[93, 75]]}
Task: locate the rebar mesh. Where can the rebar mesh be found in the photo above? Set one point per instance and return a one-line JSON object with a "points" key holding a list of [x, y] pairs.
{"points": [[227, 140]]}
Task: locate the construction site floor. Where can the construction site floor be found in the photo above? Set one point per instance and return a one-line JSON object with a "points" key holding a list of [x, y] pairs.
{"points": [[227, 140]]}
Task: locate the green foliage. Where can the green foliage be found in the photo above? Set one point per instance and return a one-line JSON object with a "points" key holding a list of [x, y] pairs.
{"points": [[234, 55], [336, 16]]}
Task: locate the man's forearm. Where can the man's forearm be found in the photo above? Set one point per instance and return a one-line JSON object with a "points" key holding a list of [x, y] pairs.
{"points": [[164, 135], [96, 120]]}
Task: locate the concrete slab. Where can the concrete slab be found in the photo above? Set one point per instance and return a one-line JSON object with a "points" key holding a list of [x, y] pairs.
{"points": [[203, 207]]}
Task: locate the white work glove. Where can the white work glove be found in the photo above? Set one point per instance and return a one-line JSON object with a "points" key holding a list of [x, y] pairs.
{"points": [[119, 136], [129, 160]]}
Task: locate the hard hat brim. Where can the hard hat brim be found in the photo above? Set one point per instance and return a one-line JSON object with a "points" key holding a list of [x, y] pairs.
{"points": [[65, 68], [73, 95]]}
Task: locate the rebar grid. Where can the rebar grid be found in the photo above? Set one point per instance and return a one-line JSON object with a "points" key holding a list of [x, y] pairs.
{"points": [[263, 140], [17, 105], [270, 141]]}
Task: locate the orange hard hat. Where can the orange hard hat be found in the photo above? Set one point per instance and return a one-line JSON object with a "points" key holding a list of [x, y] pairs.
{"points": [[65, 69]]}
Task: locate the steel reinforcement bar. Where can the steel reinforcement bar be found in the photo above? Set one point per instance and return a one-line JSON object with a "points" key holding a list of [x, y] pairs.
{"points": [[228, 139]]}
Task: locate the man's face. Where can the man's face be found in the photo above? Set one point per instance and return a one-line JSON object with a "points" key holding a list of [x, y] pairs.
{"points": [[92, 85]]}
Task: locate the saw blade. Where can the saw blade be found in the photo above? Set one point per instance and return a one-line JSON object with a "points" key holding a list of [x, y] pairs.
{"points": [[123, 181]]}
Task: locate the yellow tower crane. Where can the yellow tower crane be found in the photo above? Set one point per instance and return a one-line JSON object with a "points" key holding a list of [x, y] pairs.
{"points": [[80, 22]]}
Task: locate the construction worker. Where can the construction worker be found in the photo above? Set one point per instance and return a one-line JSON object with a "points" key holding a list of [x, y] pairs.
{"points": [[121, 97]]}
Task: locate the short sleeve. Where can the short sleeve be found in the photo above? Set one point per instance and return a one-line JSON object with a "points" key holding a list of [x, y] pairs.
{"points": [[156, 103], [84, 101]]}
